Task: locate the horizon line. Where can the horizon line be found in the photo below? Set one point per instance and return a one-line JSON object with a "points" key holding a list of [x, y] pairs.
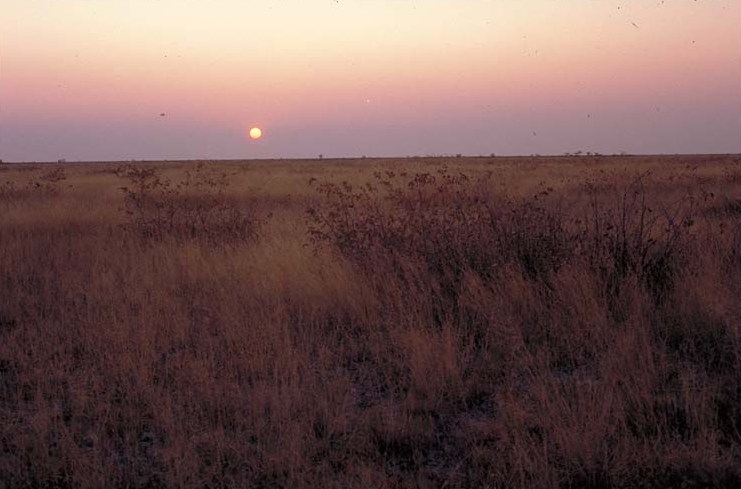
{"points": [[64, 161]]}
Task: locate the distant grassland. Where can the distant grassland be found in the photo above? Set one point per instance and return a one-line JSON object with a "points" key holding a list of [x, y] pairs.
{"points": [[384, 323]]}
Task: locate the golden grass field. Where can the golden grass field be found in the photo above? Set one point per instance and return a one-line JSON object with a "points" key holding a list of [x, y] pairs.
{"points": [[372, 323]]}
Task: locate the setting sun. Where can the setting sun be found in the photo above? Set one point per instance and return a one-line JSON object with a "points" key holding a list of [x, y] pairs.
{"points": [[255, 133]]}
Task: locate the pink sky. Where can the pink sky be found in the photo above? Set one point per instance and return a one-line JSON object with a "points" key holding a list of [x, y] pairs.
{"points": [[88, 80]]}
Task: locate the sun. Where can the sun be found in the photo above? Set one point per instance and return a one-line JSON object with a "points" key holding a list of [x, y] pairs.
{"points": [[255, 133]]}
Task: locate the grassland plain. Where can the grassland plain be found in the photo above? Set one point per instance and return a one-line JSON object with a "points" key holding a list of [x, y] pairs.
{"points": [[431, 322]]}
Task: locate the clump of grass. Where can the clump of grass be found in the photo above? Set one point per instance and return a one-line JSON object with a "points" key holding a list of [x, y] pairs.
{"points": [[630, 238], [195, 208], [449, 224], [444, 222], [42, 187]]}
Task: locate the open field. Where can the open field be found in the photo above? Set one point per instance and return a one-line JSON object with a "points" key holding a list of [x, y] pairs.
{"points": [[461, 322]]}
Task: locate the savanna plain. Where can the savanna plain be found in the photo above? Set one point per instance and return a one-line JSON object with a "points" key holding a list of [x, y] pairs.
{"points": [[373, 323]]}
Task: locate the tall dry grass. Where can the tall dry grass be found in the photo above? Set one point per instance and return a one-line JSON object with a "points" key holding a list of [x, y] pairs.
{"points": [[385, 323]]}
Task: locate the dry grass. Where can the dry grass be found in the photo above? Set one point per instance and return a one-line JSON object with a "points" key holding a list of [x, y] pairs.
{"points": [[550, 323]]}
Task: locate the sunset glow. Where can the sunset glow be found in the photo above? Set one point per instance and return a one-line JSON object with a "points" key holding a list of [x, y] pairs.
{"points": [[255, 133], [89, 80]]}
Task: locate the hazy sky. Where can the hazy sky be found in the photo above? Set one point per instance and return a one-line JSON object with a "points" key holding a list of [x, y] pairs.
{"points": [[89, 79]]}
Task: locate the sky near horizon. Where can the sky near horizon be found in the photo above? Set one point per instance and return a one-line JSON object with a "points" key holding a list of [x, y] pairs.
{"points": [[91, 79]]}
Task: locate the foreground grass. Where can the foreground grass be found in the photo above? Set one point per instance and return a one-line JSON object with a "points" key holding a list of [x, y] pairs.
{"points": [[376, 323]]}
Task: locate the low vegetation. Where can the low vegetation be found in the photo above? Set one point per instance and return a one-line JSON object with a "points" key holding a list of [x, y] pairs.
{"points": [[483, 322]]}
